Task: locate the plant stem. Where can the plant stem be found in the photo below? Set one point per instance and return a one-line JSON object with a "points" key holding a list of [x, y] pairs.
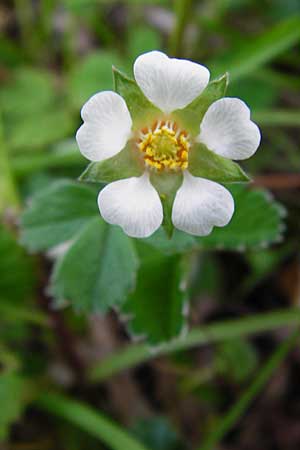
{"points": [[206, 334], [89, 420], [182, 10], [234, 414]]}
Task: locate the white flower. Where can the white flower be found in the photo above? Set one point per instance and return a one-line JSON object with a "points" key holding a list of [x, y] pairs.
{"points": [[226, 129]]}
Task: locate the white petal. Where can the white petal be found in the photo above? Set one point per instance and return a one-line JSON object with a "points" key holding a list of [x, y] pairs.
{"points": [[133, 204], [106, 128], [169, 83], [227, 130], [200, 205]]}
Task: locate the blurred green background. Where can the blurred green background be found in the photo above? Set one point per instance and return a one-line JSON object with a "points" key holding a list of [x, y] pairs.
{"points": [[66, 381]]}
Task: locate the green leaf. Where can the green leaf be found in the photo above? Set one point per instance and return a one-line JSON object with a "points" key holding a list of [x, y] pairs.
{"points": [[179, 242], [16, 268], [41, 118], [91, 75], [125, 164], [98, 270], [142, 39], [191, 116], [206, 164], [133, 355], [167, 185], [28, 91], [157, 305], [257, 93], [257, 222], [256, 51], [40, 130], [57, 214], [12, 398], [141, 110], [157, 433]]}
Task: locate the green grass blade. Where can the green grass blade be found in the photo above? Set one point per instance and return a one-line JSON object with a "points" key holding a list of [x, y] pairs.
{"points": [[88, 419], [230, 419], [277, 117], [255, 52], [137, 354], [15, 314]]}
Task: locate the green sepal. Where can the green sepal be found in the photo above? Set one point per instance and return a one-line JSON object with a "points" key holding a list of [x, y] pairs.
{"points": [[125, 164], [167, 184], [191, 116], [142, 111], [206, 164]]}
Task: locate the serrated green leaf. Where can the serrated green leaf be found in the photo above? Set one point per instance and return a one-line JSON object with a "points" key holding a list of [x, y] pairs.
{"points": [[157, 305], [57, 214], [125, 164], [141, 110], [206, 164], [167, 184], [191, 116], [257, 222], [98, 270]]}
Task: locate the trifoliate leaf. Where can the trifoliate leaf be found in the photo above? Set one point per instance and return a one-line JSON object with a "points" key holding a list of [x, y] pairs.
{"points": [[98, 270], [156, 308], [125, 164], [191, 116], [141, 110], [57, 214], [257, 222], [206, 164], [167, 185]]}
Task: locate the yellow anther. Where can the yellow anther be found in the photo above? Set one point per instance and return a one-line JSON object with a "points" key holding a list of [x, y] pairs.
{"points": [[163, 148]]}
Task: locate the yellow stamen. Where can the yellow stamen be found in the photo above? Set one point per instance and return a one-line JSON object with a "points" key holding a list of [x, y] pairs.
{"points": [[165, 147]]}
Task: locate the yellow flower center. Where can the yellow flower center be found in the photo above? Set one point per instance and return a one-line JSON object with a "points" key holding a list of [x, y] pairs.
{"points": [[165, 146]]}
